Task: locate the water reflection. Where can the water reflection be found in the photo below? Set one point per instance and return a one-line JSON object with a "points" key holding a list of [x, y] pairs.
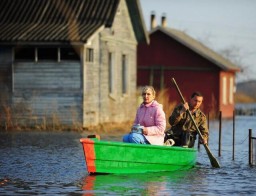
{"points": [[160, 183]]}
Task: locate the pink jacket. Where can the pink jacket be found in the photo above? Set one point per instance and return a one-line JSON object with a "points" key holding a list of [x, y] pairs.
{"points": [[152, 117]]}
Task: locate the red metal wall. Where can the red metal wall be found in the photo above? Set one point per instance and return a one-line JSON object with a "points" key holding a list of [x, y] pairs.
{"points": [[191, 71]]}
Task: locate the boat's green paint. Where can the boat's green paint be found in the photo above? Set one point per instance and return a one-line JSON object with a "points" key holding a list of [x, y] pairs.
{"points": [[119, 157]]}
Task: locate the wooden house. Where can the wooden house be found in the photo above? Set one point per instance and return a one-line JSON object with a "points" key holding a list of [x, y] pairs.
{"points": [[195, 67], [70, 61]]}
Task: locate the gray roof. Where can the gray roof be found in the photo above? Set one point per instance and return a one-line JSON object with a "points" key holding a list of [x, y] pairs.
{"points": [[199, 48], [62, 20]]}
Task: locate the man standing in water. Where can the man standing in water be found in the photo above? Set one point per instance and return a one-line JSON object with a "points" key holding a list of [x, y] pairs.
{"points": [[182, 130]]}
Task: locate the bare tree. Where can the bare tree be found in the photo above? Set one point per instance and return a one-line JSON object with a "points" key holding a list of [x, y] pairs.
{"points": [[233, 54]]}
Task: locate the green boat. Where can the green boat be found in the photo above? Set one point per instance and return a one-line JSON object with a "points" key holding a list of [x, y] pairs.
{"points": [[118, 157]]}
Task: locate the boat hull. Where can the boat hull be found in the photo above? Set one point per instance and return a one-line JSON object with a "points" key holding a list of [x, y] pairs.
{"points": [[119, 157]]}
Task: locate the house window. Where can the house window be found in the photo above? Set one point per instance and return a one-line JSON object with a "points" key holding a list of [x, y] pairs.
{"points": [[111, 71], [224, 90], [69, 54], [124, 74], [231, 90], [89, 55], [47, 54], [24, 54], [5, 54]]}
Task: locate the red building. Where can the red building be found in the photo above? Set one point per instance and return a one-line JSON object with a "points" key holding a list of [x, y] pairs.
{"points": [[174, 54]]}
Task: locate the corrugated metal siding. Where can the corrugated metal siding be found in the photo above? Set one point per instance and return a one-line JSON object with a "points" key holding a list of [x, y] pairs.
{"points": [[54, 20]]}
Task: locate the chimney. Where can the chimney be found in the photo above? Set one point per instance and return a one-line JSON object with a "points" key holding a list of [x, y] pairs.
{"points": [[153, 21], [163, 20]]}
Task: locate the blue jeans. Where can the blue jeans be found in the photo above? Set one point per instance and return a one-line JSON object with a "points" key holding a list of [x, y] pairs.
{"points": [[135, 138]]}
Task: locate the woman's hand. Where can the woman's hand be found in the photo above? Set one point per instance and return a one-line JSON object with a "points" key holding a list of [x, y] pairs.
{"points": [[145, 131]]}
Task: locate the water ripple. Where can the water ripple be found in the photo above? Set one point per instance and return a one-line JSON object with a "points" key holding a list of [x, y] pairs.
{"points": [[52, 163]]}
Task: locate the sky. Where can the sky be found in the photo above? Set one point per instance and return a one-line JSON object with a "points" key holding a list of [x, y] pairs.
{"points": [[221, 25]]}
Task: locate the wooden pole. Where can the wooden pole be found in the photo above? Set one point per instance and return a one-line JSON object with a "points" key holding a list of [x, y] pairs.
{"points": [[220, 130], [208, 125], [234, 120], [250, 146]]}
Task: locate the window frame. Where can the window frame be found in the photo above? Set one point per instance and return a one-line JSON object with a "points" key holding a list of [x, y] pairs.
{"points": [[224, 90], [125, 74], [231, 90], [89, 55], [111, 73], [37, 57]]}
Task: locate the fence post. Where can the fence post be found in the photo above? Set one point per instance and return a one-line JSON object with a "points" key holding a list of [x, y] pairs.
{"points": [[250, 146], [220, 125], [234, 119], [208, 124]]}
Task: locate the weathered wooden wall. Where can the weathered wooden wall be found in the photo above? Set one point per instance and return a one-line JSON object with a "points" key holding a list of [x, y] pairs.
{"points": [[5, 73], [101, 106], [51, 90], [77, 92]]}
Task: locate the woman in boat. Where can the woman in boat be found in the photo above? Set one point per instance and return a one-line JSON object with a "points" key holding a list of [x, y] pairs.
{"points": [[150, 123]]}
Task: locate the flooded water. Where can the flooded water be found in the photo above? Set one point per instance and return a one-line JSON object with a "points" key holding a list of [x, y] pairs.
{"points": [[52, 163]]}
